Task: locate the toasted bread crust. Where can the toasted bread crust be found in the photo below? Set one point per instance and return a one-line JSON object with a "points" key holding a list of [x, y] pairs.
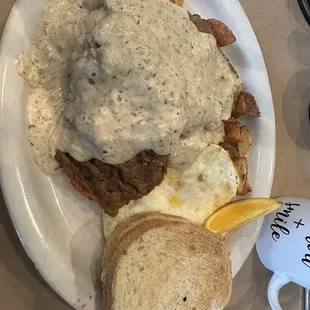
{"points": [[129, 224]]}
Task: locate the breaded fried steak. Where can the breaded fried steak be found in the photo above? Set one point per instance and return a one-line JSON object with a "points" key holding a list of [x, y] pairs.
{"points": [[113, 186]]}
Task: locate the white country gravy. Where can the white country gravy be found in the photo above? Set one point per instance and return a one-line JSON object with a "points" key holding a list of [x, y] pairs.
{"points": [[109, 79]]}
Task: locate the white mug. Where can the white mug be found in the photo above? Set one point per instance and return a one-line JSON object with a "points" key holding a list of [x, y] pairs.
{"points": [[283, 246]]}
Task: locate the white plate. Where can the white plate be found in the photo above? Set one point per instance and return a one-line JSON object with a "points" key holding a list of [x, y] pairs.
{"points": [[60, 230]]}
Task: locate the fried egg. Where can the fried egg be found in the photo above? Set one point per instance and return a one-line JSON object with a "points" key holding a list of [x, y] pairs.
{"points": [[195, 193]]}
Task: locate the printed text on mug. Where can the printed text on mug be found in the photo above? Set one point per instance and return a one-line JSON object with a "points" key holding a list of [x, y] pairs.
{"points": [[306, 259], [280, 220]]}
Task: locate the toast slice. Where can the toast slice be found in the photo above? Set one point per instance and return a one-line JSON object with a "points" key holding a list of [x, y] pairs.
{"points": [[128, 225], [167, 263]]}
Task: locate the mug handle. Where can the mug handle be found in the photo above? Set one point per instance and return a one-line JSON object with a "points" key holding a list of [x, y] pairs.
{"points": [[277, 281]]}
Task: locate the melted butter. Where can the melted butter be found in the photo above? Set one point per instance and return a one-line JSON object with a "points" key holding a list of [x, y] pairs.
{"points": [[112, 78], [175, 201]]}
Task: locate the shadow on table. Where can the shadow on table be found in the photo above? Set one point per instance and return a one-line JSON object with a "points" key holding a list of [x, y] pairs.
{"points": [[15, 259], [296, 105], [250, 288], [297, 16]]}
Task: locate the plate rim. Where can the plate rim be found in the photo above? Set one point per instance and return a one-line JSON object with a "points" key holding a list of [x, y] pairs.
{"points": [[7, 194]]}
